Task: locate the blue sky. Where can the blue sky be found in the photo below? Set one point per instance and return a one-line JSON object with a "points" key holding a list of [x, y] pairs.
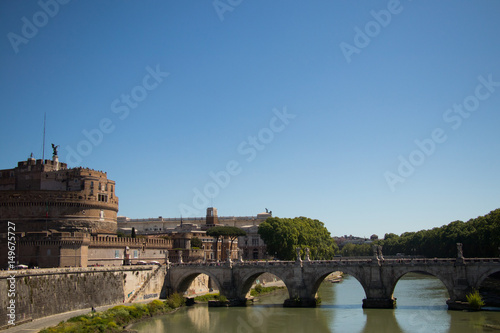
{"points": [[372, 116]]}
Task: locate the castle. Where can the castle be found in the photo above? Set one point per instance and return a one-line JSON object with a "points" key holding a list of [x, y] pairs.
{"points": [[68, 217], [43, 195]]}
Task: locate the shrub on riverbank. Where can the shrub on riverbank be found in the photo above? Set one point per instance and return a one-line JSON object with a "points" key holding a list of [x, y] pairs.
{"points": [[475, 300], [117, 318]]}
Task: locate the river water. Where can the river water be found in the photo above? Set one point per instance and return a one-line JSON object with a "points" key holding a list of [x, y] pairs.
{"points": [[421, 307]]}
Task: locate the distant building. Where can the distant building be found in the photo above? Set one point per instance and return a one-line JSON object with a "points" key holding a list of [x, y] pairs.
{"points": [[343, 240], [251, 246]]}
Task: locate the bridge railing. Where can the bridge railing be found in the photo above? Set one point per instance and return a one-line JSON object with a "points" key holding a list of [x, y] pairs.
{"points": [[344, 262]]}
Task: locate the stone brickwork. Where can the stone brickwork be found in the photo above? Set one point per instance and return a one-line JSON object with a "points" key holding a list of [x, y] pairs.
{"points": [[44, 292], [303, 277], [47, 195]]}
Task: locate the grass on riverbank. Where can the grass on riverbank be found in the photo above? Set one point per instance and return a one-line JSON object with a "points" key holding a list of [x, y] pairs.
{"points": [[260, 290], [210, 297], [117, 318]]}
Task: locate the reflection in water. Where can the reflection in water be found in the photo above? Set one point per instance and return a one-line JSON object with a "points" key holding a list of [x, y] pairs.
{"points": [[199, 317], [421, 308]]}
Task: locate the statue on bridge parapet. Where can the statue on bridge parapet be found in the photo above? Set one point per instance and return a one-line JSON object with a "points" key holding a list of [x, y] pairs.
{"points": [[307, 258], [240, 255], [299, 259], [460, 253], [180, 257], [377, 253]]}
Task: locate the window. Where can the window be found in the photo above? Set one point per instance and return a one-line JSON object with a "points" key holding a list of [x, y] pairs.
{"points": [[91, 184], [256, 254], [48, 252], [255, 242], [117, 254], [101, 215], [136, 254]]}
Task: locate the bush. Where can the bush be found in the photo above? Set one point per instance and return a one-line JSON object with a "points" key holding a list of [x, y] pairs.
{"points": [[114, 319], [258, 288], [206, 297], [155, 306], [475, 300], [175, 300]]}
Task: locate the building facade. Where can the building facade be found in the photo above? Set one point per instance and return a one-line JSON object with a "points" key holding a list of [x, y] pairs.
{"points": [[252, 247], [43, 195]]}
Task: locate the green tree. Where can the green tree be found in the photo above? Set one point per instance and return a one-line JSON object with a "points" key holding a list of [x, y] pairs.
{"points": [[196, 242], [480, 238], [225, 231], [283, 235]]}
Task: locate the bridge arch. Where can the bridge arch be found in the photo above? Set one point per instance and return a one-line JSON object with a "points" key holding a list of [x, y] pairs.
{"points": [[246, 281], [183, 281], [320, 277], [445, 281], [483, 276]]}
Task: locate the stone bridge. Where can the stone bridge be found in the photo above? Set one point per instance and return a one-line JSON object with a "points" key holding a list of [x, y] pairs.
{"points": [[377, 276]]}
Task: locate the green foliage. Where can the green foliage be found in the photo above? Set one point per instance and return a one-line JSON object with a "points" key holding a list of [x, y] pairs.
{"points": [[155, 306], [283, 235], [260, 290], [207, 297], [225, 231], [356, 250], [175, 301], [475, 300], [114, 319], [196, 242], [480, 238]]}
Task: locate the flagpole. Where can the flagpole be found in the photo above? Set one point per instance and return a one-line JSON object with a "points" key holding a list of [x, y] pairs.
{"points": [[43, 147]]}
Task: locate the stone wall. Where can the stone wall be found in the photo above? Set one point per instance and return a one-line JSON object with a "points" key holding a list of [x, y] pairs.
{"points": [[44, 292]]}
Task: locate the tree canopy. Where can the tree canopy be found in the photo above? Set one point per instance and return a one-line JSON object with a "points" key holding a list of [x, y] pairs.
{"points": [[225, 231], [480, 238], [283, 235], [196, 242]]}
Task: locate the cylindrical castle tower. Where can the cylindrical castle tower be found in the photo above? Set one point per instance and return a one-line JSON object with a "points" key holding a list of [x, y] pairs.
{"points": [[43, 195]]}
